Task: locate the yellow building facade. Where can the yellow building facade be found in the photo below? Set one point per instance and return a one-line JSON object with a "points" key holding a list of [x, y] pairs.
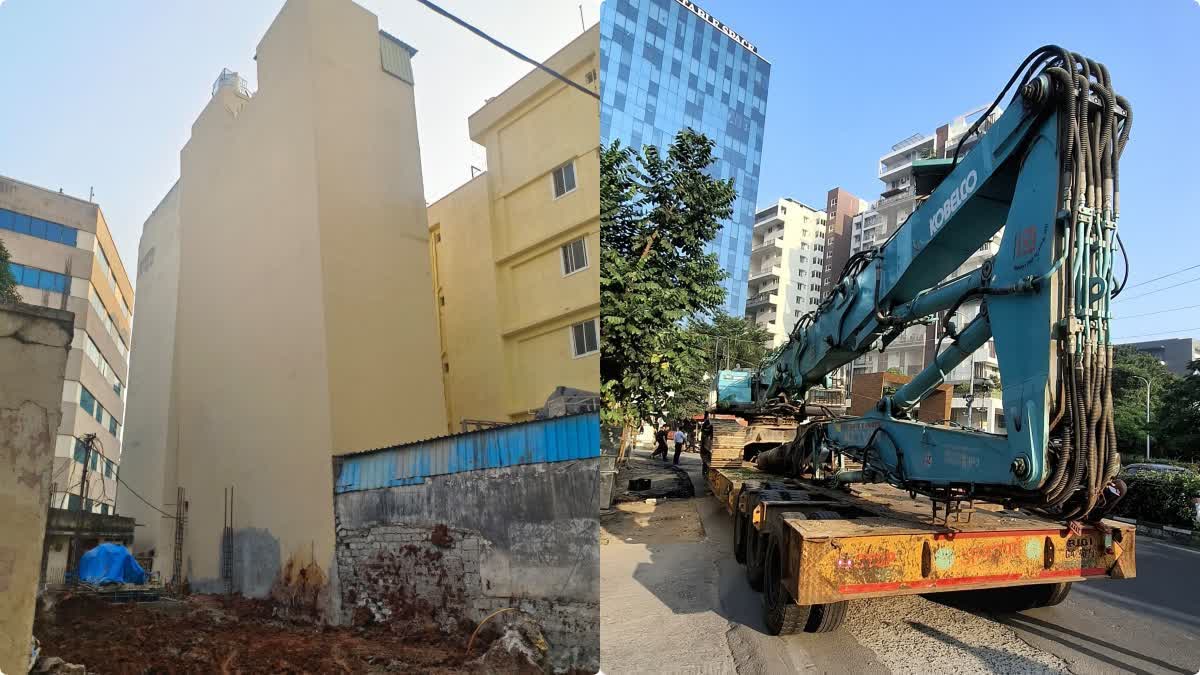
{"points": [[516, 251]]}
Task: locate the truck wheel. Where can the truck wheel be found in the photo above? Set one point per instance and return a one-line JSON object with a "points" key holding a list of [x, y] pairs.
{"points": [[1015, 599], [1031, 597], [755, 552], [826, 618], [739, 537], [781, 614]]}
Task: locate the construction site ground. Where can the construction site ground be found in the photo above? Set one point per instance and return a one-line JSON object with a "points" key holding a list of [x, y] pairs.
{"points": [[231, 634]]}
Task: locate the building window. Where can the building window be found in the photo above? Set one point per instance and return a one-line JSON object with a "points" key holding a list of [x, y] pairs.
{"points": [[36, 227], [40, 279], [72, 502], [80, 451], [585, 338], [98, 360], [87, 401], [104, 509], [574, 256], [564, 179]]}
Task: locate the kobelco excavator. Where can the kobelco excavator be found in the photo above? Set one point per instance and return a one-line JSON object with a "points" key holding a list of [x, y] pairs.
{"points": [[1046, 172]]}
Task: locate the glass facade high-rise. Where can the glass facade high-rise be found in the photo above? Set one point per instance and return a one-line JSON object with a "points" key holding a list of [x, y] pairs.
{"points": [[667, 65]]}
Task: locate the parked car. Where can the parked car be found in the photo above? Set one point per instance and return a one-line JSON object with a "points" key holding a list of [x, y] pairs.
{"points": [[1134, 469]]}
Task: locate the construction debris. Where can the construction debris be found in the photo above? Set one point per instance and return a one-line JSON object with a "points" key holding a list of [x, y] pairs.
{"points": [[56, 666], [520, 649], [211, 634]]}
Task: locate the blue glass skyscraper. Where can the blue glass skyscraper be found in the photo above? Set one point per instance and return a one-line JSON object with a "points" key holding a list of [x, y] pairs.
{"points": [[666, 65]]}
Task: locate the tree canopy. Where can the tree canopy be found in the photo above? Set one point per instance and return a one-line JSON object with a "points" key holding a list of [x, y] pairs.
{"points": [[8, 285], [658, 212]]}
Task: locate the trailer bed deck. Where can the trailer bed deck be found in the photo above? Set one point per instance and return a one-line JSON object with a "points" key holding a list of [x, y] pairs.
{"points": [[876, 541]]}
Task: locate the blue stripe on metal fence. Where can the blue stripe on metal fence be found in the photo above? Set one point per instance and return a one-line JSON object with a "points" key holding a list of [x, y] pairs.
{"points": [[554, 440]]}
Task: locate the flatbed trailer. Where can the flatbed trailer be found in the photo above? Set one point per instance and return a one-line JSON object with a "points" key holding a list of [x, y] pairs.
{"points": [[810, 549]]}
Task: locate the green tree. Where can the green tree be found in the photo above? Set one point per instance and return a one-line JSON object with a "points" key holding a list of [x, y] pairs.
{"points": [[1129, 396], [726, 342], [732, 341], [8, 285], [1179, 420], [657, 213]]}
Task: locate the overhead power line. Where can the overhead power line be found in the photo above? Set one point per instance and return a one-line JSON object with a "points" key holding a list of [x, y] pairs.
{"points": [[510, 50], [1163, 332], [1161, 311], [1150, 281], [1159, 290], [117, 476]]}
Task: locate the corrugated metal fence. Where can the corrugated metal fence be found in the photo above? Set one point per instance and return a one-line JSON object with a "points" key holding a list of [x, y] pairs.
{"points": [[552, 440]]}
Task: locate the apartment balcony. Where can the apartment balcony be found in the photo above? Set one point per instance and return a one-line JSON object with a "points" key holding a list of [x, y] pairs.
{"points": [[908, 342], [886, 171], [775, 245], [769, 287], [766, 273], [905, 194], [762, 300]]}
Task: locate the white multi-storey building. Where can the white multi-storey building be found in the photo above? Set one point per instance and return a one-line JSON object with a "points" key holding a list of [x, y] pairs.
{"points": [[786, 259], [914, 349]]}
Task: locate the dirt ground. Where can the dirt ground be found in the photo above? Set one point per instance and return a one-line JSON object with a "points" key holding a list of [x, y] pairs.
{"points": [[215, 634], [669, 521]]}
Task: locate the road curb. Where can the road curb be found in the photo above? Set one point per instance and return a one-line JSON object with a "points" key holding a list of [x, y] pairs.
{"points": [[1175, 535]]}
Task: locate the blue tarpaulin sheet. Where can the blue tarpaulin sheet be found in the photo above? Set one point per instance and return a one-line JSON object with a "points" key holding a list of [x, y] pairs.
{"points": [[110, 564]]}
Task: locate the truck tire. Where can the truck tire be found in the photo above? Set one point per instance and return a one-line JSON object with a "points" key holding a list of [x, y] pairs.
{"points": [[781, 614], [755, 552], [826, 618], [1014, 599], [1022, 598], [739, 537], [1058, 594]]}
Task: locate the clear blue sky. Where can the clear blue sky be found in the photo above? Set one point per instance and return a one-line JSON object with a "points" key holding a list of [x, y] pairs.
{"points": [[849, 79]]}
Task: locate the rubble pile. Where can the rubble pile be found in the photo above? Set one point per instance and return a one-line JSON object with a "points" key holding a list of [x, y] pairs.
{"points": [[218, 634]]}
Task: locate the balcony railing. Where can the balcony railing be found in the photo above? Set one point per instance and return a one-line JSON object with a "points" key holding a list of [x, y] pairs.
{"points": [[885, 170], [900, 197], [759, 299], [764, 273], [767, 245]]}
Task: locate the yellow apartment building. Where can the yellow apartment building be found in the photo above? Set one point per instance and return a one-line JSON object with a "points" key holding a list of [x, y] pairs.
{"points": [[63, 256], [289, 318], [516, 251]]}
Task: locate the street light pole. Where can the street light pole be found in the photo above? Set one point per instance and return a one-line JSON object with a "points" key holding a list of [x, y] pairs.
{"points": [[1147, 381]]}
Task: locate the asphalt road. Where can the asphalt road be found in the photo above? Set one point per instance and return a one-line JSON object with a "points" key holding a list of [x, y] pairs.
{"points": [[673, 600]]}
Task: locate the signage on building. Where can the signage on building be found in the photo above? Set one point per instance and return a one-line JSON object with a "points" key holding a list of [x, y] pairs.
{"points": [[718, 25]]}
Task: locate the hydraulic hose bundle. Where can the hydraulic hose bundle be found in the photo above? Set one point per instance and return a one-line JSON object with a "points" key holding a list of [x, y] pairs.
{"points": [[1092, 138]]}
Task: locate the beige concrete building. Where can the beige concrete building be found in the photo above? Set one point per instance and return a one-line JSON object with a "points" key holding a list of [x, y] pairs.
{"points": [[516, 251], [302, 322], [35, 345], [63, 256], [787, 255]]}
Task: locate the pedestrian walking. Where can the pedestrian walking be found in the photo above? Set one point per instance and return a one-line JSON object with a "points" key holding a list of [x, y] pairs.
{"points": [[680, 439], [660, 443], [691, 435]]}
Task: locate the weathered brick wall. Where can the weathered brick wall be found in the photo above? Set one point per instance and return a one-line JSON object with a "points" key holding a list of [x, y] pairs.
{"points": [[405, 573], [447, 553]]}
